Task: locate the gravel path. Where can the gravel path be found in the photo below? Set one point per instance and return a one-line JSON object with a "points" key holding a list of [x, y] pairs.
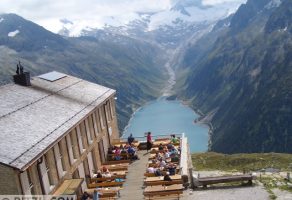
{"points": [[232, 193]]}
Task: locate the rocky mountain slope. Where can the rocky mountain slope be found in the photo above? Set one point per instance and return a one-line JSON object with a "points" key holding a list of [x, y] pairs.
{"points": [[244, 79], [125, 64]]}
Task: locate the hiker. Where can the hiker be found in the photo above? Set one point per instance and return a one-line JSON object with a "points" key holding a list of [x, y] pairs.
{"points": [[149, 141], [131, 139]]}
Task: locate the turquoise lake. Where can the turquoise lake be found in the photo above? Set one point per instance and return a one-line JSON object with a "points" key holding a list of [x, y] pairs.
{"points": [[167, 117]]}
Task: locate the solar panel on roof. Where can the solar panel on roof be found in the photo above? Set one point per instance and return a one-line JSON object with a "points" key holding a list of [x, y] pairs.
{"points": [[52, 76]]}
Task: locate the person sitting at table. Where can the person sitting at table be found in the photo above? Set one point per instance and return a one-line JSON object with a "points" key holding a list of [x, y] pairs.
{"points": [[97, 174], [174, 140], [131, 139], [107, 174], [167, 177], [104, 169], [162, 163], [155, 171], [150, 170], [160, 147], [166, 154], [117, 153], [158, 155], [179, 150], [85, 196], [124, 150], [169, 146], [110, 150], [173, 151], [132, 152], [171, 168]]}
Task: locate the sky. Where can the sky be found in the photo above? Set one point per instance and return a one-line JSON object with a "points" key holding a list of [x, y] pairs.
{"points": [[48, 13]]}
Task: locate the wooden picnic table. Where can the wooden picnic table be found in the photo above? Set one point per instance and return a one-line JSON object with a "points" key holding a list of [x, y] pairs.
{"points": [[176, 179], [156, 149], [105, 184], [69, 187], [163, 190], [107, 178], [124, 156], [117, 167], [117, 174], [114, 162], [159, 178], [119, 143], [105, 192], [168, 160], [161, 168], [162, 139], [163, 142]]}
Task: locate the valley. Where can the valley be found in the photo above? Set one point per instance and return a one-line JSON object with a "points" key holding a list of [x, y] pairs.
{"points": [[234, 68]]}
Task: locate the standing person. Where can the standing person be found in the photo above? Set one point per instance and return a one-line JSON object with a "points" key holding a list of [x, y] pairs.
{"points": [[130, 139], [149, 141]]}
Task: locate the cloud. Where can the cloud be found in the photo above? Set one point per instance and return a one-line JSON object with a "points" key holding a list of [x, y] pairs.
{"points": [[93, 13], [48, 12], [215, 2]]}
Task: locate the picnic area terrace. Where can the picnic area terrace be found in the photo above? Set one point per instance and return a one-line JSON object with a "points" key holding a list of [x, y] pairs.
{"points": [[137, 185]]}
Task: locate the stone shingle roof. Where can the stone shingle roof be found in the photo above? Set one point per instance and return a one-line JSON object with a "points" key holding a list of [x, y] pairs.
{"points": [[35, 117]]}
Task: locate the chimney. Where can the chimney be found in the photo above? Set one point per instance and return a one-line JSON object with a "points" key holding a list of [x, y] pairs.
{"points": [[21, 77]]}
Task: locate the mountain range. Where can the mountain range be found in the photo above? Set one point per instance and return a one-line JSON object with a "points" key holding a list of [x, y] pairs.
{"points": [[233, 68], [242, 79], [122, 63]]}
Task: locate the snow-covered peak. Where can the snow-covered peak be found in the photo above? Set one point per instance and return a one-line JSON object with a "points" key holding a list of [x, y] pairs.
{"points": [[185, 11], [13, 33], [273, 4], [194, 13], [1, 19]]}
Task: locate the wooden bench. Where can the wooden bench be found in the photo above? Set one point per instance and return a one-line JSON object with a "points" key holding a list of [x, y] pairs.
{"points": [[166, 197], [158, 180], [119, 142], [105, 184], [162, 182], [152, 174], [117, 167], [124, 156], [114, 162], [157, 191], [105, 193], [204, 181], [162, 139], [106, 178]]}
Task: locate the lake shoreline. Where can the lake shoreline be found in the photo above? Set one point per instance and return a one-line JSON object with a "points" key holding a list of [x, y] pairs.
{"points": [[165, 117], [200, 121]]}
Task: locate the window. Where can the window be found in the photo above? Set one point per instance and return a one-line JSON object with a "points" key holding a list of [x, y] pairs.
{"points": [[74, 143], [111, 104], [101, 118], [97, 119], [26, 183], [88, 132], [49, 172], [83, 134], [69, 147], [95, 126], [45, 177], [90, 163], [91, 126], [79, 138], [107, 111], [58, 158]]}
